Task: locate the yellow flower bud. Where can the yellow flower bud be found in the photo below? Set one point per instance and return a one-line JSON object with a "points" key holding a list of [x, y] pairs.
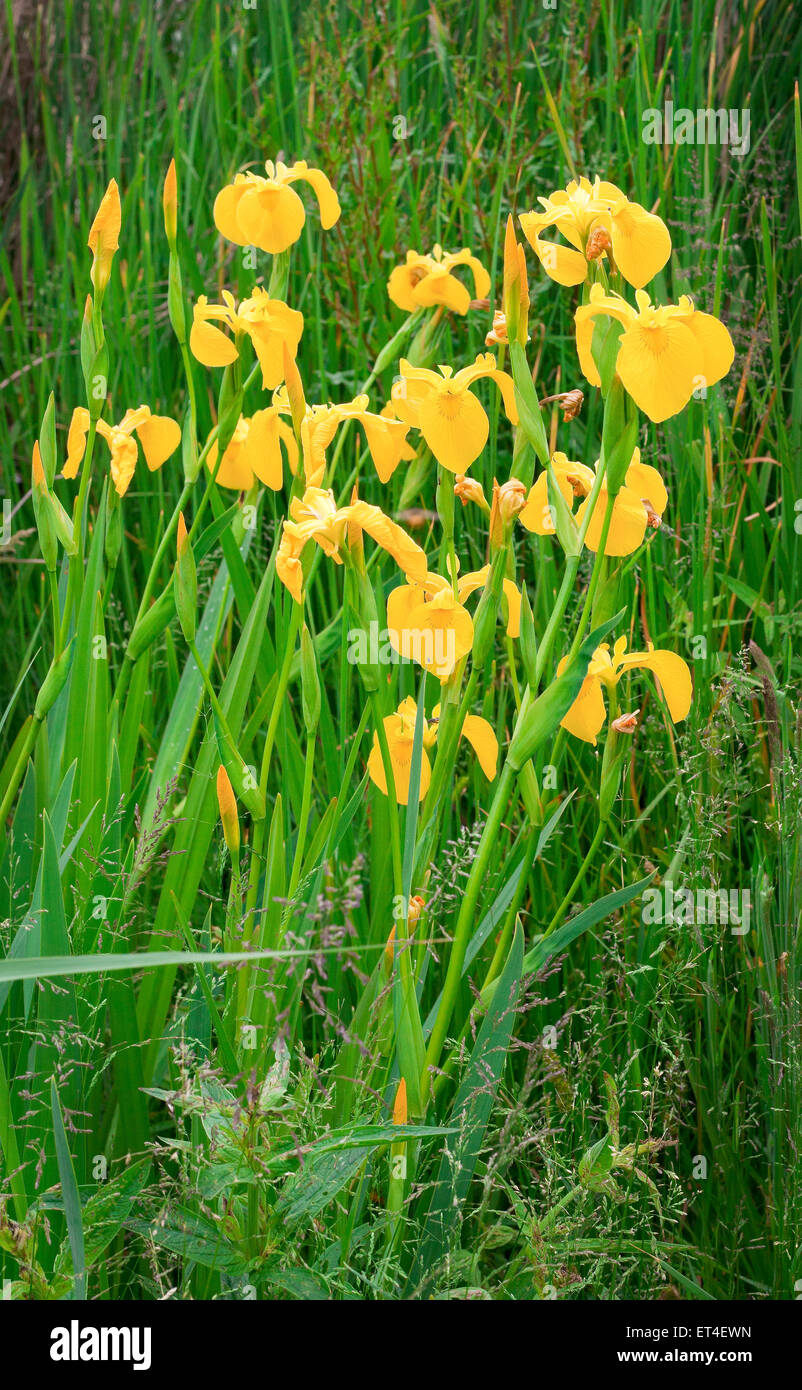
{"points": [[228, 810], [170, 203], [400, 1104], [104, 236]]}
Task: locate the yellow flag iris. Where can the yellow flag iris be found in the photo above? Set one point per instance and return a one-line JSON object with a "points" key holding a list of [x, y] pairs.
{"points": [[316, 517], [267, 212], [587, 715], [448, 415], [269, 323], [639, 503], [429, 624], [597, 219], [665, 352], [385, 436], [255, 452], [424, 281], [400, 731], [159, 436]]}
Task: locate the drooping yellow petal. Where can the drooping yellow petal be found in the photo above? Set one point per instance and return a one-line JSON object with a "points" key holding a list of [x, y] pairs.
{"points": [[328, 201], [208, 344], [160, 437], [482, 739], [386, 441], [234, 471], [673, 675], [647, 484], [271, 325], [640, 242], [400, 740], [585, 719], [288, 563], [718, 352], [270, 216], [454, 425], [627, 524], [262, 448], [407, 553], [657, 364], [124, 454], [76, 441], [226, 210], [561, 264]]}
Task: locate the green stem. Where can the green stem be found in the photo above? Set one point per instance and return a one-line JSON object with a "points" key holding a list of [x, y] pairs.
{"points": [[598, 564], [467, 915], [259, 830]]}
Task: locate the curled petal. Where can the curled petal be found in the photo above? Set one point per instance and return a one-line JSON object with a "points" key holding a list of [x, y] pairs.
{"points": [[262, 448], [482, 739], [124, 455], [76, 441], [673, 675], [328, 201], [160, 437], [561, 264], [208, 344]]}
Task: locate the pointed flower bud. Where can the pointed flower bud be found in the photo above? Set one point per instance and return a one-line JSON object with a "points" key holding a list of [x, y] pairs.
{"points": [[43, 511], [400, 1104], [104, 236], [227, 802], [310, 683], [170, 204], [185, 582]]}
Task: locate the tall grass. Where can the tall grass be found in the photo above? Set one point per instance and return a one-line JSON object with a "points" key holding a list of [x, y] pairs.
{"points": [[171, 1153]]}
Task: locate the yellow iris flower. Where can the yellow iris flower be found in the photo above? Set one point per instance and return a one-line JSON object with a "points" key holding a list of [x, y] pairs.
{"points": [[665, 352], [269, 323], [316, 517], [597, 219], [159, 436], [267, 212], [448, 415], [639, 503], [385, 436], [428, 623], [424, 281], [255, 452], [587, 715], [400, 731]]}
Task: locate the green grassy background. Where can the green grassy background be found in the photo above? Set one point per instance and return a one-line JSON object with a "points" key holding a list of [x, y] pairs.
{"points": [[500, 103]]}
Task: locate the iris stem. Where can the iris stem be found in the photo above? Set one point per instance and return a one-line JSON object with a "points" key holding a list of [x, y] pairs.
{"points": [[476, 878]]}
